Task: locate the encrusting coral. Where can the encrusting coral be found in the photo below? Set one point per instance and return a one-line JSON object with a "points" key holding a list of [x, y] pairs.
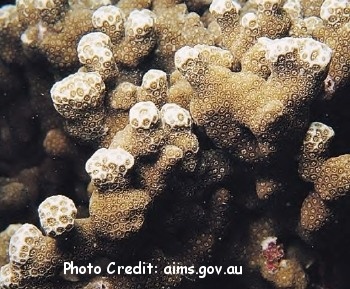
{"points": [[176, 133]]}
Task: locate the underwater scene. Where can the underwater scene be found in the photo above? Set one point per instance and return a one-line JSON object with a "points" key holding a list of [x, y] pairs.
{"points": [[159, 144]]}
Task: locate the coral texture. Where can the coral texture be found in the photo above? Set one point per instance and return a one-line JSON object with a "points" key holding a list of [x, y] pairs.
{"points": [[177, 134]]}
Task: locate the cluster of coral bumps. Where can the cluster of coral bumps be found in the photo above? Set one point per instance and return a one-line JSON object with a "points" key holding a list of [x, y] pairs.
{"points": [[191, 132]]}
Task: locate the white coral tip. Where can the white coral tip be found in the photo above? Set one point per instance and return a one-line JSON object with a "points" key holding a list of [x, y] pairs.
{"points": [[143, 115], [223, 6], [184, 54], [140, 22], [174, 116]]}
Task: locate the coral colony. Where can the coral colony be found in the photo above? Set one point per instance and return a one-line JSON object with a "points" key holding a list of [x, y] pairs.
{"points": [[174, 144]]}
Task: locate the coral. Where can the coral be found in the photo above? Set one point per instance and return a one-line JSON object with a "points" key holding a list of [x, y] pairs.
{"points": [[256, 124], [11, 30], [55, 41], [123, 40], [5, 237], [123, 97], [56, 143], [273, 253], [180, 91], [329, 176], [108, 167], [178, 134], [176, 32], [117, 210], [333, 178], [325, 22], [290, 275], [79, 99], [77, 94], [57, 215], [29, 247], [311, 9], [314, 213], [314, 150], [153, 87], [128, 6], [239, 34], [109, 20], [94, 51], [14, 195], [265, 252], [139, 37]]}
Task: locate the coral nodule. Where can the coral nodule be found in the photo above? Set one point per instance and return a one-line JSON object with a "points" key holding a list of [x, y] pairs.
{"points": [[154, 143]]}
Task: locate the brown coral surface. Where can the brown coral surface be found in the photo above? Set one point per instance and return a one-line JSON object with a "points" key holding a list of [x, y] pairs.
{"points": [[206, 139]]}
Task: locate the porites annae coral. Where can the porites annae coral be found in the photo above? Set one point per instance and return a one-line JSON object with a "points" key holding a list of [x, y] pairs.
{"points": [[197, 127]]}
